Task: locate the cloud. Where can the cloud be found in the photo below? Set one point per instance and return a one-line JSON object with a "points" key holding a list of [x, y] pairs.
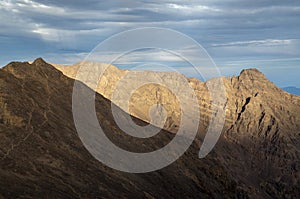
{"points": [[266, 42], [230, 30], [257, 49]]}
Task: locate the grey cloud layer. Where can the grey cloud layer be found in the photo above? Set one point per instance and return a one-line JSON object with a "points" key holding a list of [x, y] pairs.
{"points": [[233, 20], [231, 29]]}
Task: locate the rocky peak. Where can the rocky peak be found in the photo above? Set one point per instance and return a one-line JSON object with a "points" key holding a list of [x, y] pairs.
{"points": [[39, 61], [252, 74], [38, 69]]}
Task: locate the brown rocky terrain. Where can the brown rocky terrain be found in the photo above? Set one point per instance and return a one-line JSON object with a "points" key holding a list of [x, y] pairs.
{"points": [[42, 156], [260, 144]]}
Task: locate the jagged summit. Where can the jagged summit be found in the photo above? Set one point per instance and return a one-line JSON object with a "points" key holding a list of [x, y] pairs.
{"points": [[39, 61], [252, 74], [250, 71], [36, 68]]}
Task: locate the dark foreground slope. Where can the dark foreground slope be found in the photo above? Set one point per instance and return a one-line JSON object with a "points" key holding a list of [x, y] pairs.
{"points": [[41, 155]]}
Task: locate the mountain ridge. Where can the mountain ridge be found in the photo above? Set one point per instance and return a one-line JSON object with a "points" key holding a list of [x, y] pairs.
{"points": [[256, 155], [44, 157], [259, 115]]}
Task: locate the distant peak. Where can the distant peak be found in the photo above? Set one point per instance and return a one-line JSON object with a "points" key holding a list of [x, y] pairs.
{"points": [[39, 61], [251, 73]]}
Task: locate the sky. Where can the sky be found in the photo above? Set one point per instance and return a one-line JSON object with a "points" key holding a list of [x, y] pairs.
{"points": [[237, 34]]}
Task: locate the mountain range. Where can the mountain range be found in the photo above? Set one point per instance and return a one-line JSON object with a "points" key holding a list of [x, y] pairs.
{"points": [[42, 156], [292, 89]]}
